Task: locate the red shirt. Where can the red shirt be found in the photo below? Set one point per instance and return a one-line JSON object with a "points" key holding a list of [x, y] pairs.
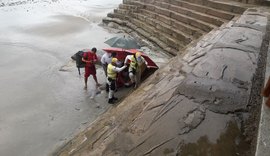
{"points": [[90, 56]]}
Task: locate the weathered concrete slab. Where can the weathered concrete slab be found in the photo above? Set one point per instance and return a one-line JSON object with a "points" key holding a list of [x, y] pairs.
{"points": [[198, 103], [263, 141]]}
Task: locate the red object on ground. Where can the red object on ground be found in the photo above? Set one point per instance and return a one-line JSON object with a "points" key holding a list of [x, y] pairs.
{"points": [[122, 53]]}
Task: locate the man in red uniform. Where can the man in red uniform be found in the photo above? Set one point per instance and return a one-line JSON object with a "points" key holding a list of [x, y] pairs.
{"points": [[90, 58]]}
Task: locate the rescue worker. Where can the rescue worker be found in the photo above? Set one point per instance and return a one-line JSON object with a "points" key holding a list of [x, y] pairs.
{"points": [[90, 58], [135, 67], [105, 60], [112, 71]]}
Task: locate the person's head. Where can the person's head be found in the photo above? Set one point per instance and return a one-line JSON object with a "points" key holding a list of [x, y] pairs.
{"points": [[114, 60], [113, 54], [94, 49], [138, 55]]}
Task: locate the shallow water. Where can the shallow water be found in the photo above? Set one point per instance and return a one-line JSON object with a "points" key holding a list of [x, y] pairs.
{"points": [[42, 101], [229, 143]]}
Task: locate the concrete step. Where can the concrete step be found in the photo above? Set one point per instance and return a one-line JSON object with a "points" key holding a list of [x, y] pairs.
{"points": [[218, 5], [107, 20], [177, 16], [187, 31], [154, 39], [183, 38], [203, 9], [116, 15], [227, 15], [192, 13], [185, 28], [122, 11], [153, 31], [147, 33], [206, 27], [127, 6], [172, 24], [131, 2]]}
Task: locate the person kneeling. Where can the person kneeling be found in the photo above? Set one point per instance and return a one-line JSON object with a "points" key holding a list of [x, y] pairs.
{"points": [[135, 67], [112, 71]]}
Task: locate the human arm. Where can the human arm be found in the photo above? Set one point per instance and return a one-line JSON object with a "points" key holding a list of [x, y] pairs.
{"points": [[146, 63], [85, 58], [90, 58], [102, 60], [95, 58], [117, 69], [127, 59], [86, 61]]}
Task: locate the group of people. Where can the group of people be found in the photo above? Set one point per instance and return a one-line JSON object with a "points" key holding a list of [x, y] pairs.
{"points": [[112, 67]]}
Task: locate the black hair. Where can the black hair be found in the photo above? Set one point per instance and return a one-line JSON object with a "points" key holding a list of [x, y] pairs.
{"points": [[94, 49], [113, 54]]}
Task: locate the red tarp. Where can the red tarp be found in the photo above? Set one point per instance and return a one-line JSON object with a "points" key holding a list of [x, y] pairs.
{"points": [[122, 53]]}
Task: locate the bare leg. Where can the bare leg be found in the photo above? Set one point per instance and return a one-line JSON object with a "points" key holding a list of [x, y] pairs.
{"points": [[85, 82], [132, 78], [105, 69], [138, 78]]}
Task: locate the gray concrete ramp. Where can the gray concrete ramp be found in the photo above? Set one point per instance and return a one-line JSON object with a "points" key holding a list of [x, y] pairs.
{"points": [[263, 141], [199, 104]]}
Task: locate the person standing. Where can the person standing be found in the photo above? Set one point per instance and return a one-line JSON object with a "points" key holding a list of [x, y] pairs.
{"points": [[106, 59], [135, 67], [90, 58], [112, 71]]}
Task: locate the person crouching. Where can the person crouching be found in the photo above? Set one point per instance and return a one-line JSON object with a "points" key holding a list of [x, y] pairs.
{"points": [[135, 67], [112, 71]]}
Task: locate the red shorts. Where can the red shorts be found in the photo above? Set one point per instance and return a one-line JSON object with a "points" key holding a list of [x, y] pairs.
{"points": [[89, 70]]}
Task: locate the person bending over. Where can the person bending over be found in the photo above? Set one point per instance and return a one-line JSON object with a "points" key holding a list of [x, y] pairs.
{"points": [[135, 67]]}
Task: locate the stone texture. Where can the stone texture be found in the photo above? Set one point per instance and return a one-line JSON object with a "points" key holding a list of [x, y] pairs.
{"points": [[174, 108], [195, 19]]}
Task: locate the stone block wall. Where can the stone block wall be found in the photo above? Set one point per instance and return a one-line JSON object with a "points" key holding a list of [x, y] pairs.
{"points": [[173, 24]]}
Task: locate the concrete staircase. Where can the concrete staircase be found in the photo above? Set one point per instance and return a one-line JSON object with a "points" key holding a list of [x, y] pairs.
{"points": [[172, 24]]}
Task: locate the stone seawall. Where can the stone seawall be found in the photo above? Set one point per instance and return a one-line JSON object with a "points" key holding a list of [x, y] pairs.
{"points": [[198, 104], [172, 24]]}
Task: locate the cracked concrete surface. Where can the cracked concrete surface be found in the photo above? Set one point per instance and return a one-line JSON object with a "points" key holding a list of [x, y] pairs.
{"points": [[195, 103]]}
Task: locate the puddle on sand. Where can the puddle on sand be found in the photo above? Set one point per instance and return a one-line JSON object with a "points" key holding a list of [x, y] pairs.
{"points": [[230, 143]]}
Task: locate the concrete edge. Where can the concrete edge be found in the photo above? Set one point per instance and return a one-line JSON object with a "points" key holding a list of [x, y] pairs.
{"points": [[263, 138]]}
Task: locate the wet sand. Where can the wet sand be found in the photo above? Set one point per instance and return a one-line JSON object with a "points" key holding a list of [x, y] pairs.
{"points": [[42, 100]]}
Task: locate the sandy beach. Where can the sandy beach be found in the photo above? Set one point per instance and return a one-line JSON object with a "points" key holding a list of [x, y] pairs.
{"points": [[42, 100]]}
